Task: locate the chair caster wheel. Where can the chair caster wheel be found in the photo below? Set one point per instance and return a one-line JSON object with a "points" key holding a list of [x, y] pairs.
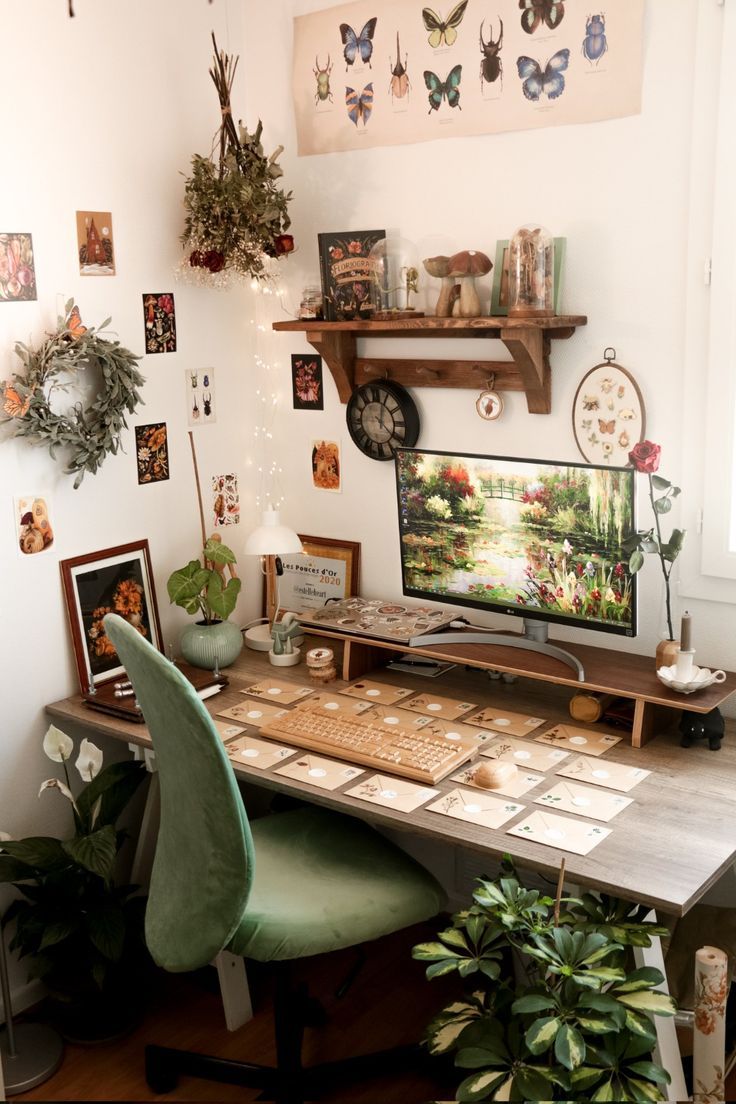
{"points": [[161, 1076]]}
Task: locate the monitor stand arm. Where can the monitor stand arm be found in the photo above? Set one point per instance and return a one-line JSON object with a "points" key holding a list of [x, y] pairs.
{"points": [[534, 639]]}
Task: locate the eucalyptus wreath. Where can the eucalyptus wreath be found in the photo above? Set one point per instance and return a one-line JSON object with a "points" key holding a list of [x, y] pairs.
{"points": [[86, 433]]}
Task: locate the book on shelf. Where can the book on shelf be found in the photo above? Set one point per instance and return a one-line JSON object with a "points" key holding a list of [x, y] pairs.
{"points": [[109, 698], [347, 274]]}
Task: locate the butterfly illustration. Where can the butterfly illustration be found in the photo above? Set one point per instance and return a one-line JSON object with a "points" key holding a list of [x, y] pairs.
{"points": [[358, 44], [536, 12], [606, 427], [443, 29], [535, 80], [359, 105], [448, 88]]}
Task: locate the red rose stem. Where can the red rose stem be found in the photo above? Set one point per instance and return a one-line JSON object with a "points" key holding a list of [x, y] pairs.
{"points": [[686, 628]]}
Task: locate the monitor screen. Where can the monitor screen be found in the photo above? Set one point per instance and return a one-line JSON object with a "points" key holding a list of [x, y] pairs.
{"points": [[533, 538]]}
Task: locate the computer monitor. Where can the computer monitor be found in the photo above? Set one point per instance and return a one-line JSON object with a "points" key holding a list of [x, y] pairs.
{"points": [[537, 539]]}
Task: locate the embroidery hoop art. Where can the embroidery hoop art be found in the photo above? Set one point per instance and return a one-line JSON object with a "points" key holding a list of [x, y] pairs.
{"points": [[631, 429]]}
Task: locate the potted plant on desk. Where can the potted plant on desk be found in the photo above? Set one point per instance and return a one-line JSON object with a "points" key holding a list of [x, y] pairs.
{"points": [[572, 1022], [212, 641]]}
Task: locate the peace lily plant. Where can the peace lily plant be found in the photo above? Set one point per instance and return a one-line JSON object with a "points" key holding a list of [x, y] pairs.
{"points": [[80, 932]]}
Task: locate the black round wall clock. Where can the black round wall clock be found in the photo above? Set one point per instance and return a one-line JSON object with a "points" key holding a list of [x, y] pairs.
{"points": [[381, 417]]}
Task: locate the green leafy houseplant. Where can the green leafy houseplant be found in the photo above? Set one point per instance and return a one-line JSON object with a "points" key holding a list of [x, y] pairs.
{"points": [[82, 933], [200, 586], [577, 1027]]}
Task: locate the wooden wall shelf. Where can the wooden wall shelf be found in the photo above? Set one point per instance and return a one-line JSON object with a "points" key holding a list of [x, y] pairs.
{"points": [[527, 339]]}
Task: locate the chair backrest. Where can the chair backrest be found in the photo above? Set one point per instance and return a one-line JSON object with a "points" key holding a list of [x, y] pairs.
{"points": [[203, 866]]}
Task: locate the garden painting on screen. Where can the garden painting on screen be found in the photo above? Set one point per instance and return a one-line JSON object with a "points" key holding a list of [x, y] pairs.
{"points": [[519, 533]]}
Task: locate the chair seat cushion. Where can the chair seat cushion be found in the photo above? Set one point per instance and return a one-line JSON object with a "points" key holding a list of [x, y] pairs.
{"points": [[325, 881]]}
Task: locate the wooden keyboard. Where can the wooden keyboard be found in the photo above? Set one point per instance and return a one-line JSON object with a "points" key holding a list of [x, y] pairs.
{"points": [[423, 757]]}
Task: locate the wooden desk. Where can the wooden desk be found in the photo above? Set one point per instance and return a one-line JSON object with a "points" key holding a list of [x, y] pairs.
{"points": [[665, 850]]}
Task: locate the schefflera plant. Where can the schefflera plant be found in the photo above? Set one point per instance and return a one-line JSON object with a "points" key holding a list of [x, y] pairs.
{"points": [[578, 1026]]}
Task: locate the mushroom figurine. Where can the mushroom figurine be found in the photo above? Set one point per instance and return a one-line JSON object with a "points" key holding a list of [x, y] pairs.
{"points": [[465, 266], [439, 267]]}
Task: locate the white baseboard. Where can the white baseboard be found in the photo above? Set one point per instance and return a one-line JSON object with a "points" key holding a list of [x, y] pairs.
{"points": [[25, 996]]}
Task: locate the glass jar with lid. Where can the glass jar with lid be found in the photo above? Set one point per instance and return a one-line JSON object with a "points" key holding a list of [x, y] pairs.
{"points": [[531, 273]]}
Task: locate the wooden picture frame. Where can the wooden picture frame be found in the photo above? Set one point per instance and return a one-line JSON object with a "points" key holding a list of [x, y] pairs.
{"points": [[329, 568], [113, 580], [500, 288]]}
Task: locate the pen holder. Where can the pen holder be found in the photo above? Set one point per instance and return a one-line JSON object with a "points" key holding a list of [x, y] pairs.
{"points": [[684, 665]]}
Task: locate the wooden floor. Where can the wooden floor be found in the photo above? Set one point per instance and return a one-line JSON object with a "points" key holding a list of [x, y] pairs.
{"points": [[389, 1003]]}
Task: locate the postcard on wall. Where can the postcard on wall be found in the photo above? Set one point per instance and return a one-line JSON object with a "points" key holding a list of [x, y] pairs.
{"points": [[33, 524], [348, 272], [457, 71], [306, 381], [160, 322], [326, 466], [152, 452], [17, 269], [225, 500], [200, 391], [95, 247]]}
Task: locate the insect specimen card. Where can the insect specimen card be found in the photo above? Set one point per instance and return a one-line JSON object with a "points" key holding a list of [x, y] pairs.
{"points": [[95, 248], [306, 381], [515, 786], [584, 800], [225, 500], [560, 832], [33, 524], [504, 721], [586, 740], [435, 706], [390, 72], [199, 384], [160, 322], [528, 756], [152, 452], [616, 776], [394, 793], [382, 692], [252, 713], [17, 269], [260, 754], [469, 805], [325, 774], [275, 690], [326, 466]]}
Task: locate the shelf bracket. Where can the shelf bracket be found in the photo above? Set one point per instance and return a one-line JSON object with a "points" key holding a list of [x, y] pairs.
{"points": [[530, 350], [337, 348]]}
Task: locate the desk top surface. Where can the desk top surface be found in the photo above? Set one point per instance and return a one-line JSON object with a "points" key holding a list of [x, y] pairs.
{"points": [[666, 849]]}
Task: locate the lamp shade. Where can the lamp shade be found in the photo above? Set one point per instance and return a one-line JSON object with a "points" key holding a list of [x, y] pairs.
{"points": [[271, 538]]}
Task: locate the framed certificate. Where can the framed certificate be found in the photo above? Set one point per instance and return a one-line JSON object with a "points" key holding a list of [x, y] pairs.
{"points": [[327, 569]]}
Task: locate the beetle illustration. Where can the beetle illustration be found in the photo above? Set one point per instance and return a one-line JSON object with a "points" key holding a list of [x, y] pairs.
{"points": [[595, 42], [207, 400], [206, 380], [491, 66], [323, 80], [195, 408], [193, 378], [400, 83]]}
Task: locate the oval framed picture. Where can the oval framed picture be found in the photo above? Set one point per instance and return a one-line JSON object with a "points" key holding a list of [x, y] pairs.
{"points": [[489, 405], [608, 415]]}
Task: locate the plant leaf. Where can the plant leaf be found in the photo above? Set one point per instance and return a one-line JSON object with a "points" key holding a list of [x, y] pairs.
{"points": [[636, 561], [480, 1086], [569, 1047], [95, 852], [659, 1004], [542, 1033]]}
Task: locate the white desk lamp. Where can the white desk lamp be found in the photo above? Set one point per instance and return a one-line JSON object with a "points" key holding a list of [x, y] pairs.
{"points": [[269, 541]]}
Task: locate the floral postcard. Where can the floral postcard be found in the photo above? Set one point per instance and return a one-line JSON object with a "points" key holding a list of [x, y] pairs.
{"points": [[225, 500], [326, 465], [379, 692], [152, 452], [393, 793], [252, 713], [95, 249], [33, 525], [578, 739], [325, 774], [160, 322], [277, 691], [526, 756], [306, 381], [560, 832], [516, 786], [436, 706], [585, 800], [614, 776], [261, 754], [504, 721], [17, 269], [475, 808], [334, 705], [199, 384]]}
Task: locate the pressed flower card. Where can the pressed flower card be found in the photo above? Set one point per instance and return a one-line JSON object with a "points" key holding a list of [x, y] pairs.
{"points": [[152, 452], [159, 322]]}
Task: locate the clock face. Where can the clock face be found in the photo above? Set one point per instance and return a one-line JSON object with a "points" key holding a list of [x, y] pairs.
{"points": [[382, 416]]}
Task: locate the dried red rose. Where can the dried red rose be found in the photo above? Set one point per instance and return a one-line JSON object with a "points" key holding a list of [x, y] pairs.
{"points": [[214, 260], [645, 457], [284, 243], [196, 259]]}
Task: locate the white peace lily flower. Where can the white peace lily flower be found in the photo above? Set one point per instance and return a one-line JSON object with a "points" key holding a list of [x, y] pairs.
{"points": [[57, 745], [5, 836], [55, 784], [89, 760]]}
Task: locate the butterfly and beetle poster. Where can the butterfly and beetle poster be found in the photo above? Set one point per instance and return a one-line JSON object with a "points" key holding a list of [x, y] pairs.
{"points": [[393, 71]]}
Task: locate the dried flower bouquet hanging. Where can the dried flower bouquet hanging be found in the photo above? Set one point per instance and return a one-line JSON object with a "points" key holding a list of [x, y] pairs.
{"points": [[236, 213]]}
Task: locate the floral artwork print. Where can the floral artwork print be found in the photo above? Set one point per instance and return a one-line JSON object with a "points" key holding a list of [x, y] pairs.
{"points": [[160, 322], [326, 465], [225, 500], [127, 602], [306, 379], [152, 452], [35, 532], [17, 270]]}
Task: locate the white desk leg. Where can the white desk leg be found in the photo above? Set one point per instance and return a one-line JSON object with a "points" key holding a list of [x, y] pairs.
{"points": [[667, 1050], [231, 974]]}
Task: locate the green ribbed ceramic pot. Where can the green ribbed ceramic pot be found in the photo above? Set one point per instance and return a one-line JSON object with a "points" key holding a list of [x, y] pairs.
{"points": [[209, 645]]}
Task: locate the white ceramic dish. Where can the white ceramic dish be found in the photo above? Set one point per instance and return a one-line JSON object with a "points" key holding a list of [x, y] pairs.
{"points": [[699, 679]]}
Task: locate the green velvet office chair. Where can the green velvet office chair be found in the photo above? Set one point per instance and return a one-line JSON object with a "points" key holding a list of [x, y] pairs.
{"points": [[287, 886]]}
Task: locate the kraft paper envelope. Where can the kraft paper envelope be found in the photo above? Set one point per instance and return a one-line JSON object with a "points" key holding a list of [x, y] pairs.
{"points": [[277, 691], [227, 731], [469, 805], [261, 754], [252, 713], [454, 731], [504, 721], [394, 793], [325, 774], [614, 776], [521, 783], [584, 800], [381, 692], [560, 832], [586, 740], [333, 704], [435, 706], [526, 756]]}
